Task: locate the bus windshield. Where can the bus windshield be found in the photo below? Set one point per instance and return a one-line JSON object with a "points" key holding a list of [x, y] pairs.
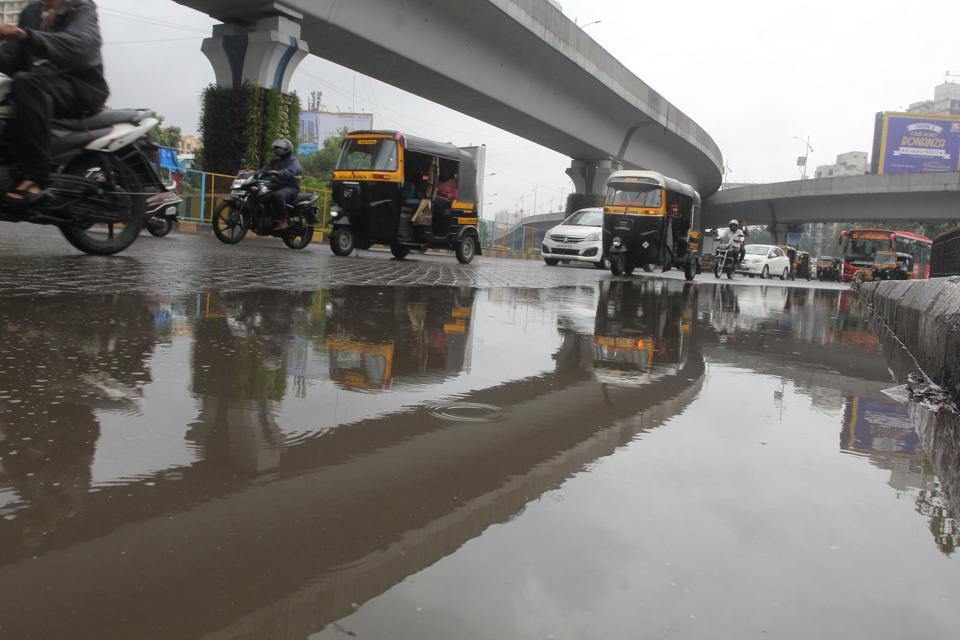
{"points": [[378, 154], [634, 195], [863, 249]]}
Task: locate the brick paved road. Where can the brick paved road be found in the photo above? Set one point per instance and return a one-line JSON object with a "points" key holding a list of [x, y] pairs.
{"points": [[38, 261]]}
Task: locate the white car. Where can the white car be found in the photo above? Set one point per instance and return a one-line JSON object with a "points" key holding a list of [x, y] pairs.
{"points": [[579, 238], [766, 261]]}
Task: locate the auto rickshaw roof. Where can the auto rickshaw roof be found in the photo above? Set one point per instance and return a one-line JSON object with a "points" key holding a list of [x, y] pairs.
{"points": [[623, 177], [416, 144]]}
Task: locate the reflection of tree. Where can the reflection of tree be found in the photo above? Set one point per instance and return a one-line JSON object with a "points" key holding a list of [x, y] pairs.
{"points": [[61, 361], [943, 523]]}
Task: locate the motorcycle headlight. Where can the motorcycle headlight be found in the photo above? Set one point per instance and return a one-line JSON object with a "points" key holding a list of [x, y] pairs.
{"points": [[593, 237], [238, 183], [617, 242], [334, 211]]}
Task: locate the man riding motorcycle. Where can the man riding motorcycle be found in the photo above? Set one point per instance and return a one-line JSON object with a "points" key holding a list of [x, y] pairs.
{"points": [[54, 58], [734, 235], [285, 170]]}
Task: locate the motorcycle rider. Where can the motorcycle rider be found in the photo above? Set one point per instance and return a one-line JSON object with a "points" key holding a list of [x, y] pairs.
{"points": [[286, 172], [734, 236], [54, 58]]}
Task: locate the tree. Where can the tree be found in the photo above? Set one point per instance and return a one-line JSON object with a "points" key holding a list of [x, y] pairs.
{"points": [[318, 166], [168, 136]]}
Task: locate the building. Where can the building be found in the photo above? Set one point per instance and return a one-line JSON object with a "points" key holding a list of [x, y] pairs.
{"points": [[946, 101], [10, 10], [852, 163]]}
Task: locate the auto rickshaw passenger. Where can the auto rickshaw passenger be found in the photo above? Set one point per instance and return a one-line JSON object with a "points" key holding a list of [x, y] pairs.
{"points": [[447, 191]]}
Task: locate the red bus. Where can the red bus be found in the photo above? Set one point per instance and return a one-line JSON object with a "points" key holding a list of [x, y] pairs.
{"points": [[860, 246]]}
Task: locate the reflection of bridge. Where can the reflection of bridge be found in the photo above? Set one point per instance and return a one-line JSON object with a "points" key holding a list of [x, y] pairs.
{"points": [[518, 64], [407, 490]]}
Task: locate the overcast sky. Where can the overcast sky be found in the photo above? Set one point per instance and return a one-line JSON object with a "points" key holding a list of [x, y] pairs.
{"points": [[753, 74]]}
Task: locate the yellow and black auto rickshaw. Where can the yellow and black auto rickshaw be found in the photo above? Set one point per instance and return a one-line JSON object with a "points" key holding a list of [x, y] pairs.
{"points": [[649, 218], [409, 193], [890, 265]]}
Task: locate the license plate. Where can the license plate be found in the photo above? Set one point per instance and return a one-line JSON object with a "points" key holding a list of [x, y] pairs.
{"points": [[566, 246]]}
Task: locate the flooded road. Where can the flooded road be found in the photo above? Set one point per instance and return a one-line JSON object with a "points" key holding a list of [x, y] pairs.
{"points": [[621, 459]]}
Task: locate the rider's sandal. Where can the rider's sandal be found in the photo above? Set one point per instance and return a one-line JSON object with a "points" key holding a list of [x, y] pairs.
{"points": [[26, 197]]}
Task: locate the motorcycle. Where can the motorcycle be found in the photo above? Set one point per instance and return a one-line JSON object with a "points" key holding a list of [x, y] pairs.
{"points": [[247, 209], [104, 170], [726, 259], [163, 209]]}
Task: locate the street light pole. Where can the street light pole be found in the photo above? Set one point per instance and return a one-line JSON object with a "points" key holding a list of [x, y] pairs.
{"points": [[806, 158]]}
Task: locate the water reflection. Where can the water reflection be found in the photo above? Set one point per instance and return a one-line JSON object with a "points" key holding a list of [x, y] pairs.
{"points": [[62, 363], [271, 531], [411, 335]]}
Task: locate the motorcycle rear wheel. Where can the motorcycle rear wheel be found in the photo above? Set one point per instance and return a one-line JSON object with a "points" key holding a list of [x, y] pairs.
{"points": [[108, 239], [159, 227], [227, 224], [299, 233]]}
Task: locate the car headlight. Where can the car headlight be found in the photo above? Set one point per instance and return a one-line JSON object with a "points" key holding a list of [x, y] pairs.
{"points": [[593, 237]]}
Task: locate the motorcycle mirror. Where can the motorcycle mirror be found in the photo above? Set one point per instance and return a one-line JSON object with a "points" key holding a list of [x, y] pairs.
{"points": [[169, 185]]}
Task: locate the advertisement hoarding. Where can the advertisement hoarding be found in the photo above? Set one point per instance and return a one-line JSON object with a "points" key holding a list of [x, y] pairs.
{"points": [[916, 143], [317, 126]]}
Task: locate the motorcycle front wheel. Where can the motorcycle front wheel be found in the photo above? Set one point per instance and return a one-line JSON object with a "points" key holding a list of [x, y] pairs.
{"points": [[107, 239], [228, 224]]}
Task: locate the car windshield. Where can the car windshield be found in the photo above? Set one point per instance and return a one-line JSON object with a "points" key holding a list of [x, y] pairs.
{"points": [[378, 154], [585, 219], [634, 195], [757, 250]]}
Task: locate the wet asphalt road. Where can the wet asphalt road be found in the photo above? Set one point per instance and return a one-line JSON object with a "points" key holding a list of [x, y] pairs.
{"points": [[189, 451]]}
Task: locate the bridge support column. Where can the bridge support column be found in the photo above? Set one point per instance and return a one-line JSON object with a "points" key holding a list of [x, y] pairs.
{"points": [[589, 181], [266, 53]]}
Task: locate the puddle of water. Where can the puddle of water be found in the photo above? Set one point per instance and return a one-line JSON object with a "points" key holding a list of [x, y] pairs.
{"points": [[642, 458]]}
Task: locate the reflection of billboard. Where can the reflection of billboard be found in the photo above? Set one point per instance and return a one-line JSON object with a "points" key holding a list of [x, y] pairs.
{"points": [[317, 126], [916, 143], [878, 426]]}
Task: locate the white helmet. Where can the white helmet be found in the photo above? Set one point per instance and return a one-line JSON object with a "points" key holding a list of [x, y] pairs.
{"points": [[734, 225]]}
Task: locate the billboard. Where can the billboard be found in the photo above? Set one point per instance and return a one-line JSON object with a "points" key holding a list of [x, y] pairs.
{"points": [[916, 143], [317, 126]]}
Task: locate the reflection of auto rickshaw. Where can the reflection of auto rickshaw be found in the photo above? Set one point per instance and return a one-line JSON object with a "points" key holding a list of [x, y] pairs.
{"points": [[377, 337], [829, 269], [650, 219], [406, 192], [889, 265], [642, 330], [803, 265]]}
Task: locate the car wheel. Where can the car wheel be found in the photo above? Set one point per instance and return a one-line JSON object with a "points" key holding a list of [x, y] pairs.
{"points": [[601, 263], [785, 274], [551, 262], [765, 273]]}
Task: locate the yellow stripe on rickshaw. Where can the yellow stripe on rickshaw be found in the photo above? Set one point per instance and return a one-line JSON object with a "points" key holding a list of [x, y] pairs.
{"points": [[632, 211], [463, 206]]}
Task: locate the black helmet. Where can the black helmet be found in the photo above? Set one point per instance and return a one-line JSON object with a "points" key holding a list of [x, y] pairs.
{"points": [[734, 225], [282, 147]]}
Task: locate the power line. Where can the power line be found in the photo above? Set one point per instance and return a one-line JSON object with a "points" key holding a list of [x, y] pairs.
{"points": [[123, 15], [153, 41]]}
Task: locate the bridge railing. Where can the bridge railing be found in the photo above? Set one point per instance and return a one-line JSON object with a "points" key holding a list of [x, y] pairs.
{"points": [[203, 192], [945, 258]]}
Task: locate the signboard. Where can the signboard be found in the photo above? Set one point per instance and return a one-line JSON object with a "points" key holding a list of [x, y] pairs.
{"points": [[317, 126], [793, 238], [916, 143]]}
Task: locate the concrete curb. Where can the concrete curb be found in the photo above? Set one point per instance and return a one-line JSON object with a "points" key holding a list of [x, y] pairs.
{"points": [[194, 228], [925, 315]]}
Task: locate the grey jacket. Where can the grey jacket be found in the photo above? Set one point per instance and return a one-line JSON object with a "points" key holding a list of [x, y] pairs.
{"points": [[70, 48]]}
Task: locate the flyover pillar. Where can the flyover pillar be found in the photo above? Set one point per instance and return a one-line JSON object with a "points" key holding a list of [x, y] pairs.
{"points": [[589, 181], [265, 53]]}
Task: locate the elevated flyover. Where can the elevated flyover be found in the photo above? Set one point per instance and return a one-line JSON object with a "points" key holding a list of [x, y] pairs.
{"points": [[520, 65], [922, 197]]}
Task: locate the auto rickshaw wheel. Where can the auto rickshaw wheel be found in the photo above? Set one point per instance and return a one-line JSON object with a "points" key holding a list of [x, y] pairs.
{"points": [[466, 250], [399, 251], [647, 267], [690, 272], [343, 241], [551, 262]]}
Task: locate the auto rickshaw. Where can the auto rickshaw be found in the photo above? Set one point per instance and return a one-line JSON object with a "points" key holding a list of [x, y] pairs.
{"points": [[890, 265], [829, 269], [649, 218], [406, 192]]}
